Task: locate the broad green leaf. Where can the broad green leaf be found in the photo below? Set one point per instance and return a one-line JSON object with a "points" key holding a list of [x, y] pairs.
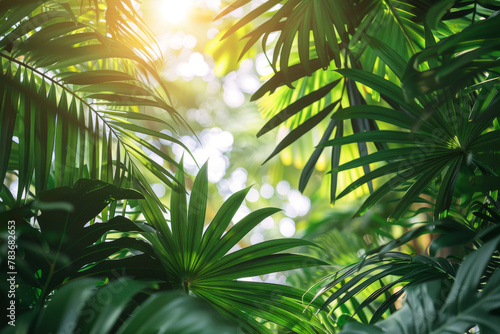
{"points": [[65, 308]]}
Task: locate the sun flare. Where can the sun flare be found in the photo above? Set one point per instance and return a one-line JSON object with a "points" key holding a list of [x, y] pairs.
{"points": [[175, 11]]}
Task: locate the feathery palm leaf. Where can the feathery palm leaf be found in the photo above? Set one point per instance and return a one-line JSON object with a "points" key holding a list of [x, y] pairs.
{"points": [[73, 96]]}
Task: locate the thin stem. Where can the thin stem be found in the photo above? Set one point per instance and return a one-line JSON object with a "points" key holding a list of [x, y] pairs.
{"points": [[40, 301]]}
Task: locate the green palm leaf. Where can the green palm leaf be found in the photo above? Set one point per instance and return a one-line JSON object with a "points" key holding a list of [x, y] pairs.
{"points": [[128, 307], [412, 270], [463, 308], [71, 92], [440, 142], [466, 55], [199, 262]]}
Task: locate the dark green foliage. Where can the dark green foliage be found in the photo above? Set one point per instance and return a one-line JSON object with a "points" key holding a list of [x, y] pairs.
{"points": [[114, 308], [409, 272], [67, 239], [433, 308]]}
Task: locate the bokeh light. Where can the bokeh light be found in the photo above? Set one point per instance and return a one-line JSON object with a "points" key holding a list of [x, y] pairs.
{"points": [[283, 187], [299, 202], [256, 238], [267, 223], [242, 212], [267, 190], [287, 227], [253, 195]]}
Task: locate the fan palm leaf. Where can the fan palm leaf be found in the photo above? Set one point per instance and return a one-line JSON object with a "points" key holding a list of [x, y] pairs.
{"points": [[463, 308], [313, 33], [199, 260], [444, 133]]}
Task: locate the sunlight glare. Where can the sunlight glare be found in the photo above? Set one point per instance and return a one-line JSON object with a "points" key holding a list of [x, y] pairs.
{"points": [[175, 11]]}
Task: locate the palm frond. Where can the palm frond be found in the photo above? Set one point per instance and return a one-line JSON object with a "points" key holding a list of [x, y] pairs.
{"points": [[129, 307], [465, 56], [471, 301], [407, 272], [70, 239], [75, 98], [412, 270], [440, 141], [202, 262]]}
